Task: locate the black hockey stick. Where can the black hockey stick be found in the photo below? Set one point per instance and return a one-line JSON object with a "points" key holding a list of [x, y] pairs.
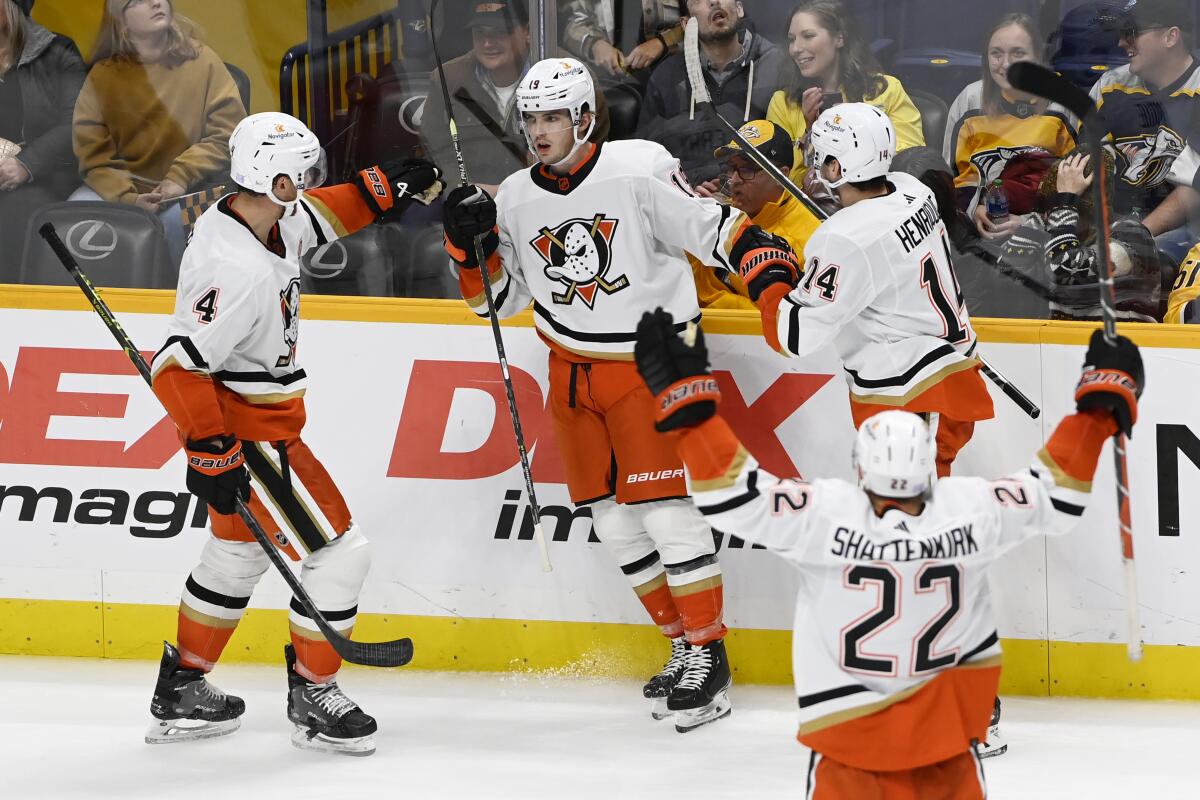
{"points": [[493, 317], [395, 653], [700, 93], [1036, 79]]}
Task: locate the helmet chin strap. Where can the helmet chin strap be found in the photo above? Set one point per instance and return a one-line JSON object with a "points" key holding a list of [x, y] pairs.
{"points": [[288, 205]]}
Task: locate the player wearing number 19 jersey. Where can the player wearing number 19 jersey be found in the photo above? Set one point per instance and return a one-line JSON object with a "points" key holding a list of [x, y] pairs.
{"points": [[879, 287], [895, 651]]}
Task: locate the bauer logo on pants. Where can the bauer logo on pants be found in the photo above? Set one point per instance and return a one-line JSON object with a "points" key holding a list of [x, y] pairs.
{"points": [[578, 253]]}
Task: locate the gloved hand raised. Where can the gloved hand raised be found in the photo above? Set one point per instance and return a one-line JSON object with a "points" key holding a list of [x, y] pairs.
{"points": [[676, 372], [470, 211], [1113, 379], [763, 259], [390, 188]]}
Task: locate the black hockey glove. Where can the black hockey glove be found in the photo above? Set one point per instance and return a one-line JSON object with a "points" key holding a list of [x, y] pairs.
{"points": [[675, 371], [216, 472], [469, 211], [763, 259], [1113, 379], [390, 188]]}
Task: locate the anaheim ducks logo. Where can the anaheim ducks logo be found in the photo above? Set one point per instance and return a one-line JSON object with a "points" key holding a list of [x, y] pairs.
{"points": [[578, 254], [289, 307], [1147, 159]]}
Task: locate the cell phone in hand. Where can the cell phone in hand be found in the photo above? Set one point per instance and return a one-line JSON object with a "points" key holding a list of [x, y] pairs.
{"points": [[830, 99]]}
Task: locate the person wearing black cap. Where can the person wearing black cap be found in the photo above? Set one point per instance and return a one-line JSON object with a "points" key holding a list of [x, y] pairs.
{"points": [[482, 86], [755, 193], [1151, 108]]}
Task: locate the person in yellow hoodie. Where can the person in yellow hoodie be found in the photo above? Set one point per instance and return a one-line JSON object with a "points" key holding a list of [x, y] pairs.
{"points": [[832, 58], [153, 119], [769, 206]]}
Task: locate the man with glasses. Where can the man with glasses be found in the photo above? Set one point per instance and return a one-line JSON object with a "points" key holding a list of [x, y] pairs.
{"points": [[1151, 110], [756, 194]]}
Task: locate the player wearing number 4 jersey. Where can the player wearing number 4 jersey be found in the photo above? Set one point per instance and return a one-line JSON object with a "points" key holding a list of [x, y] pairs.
{"points": [[594, 235], [229, 376], [880, 288], [895, 651]]}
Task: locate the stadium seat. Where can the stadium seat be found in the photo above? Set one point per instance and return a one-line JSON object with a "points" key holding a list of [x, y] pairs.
{"points": [[624, 102], [242, 81], [933, 116], [427, 271], [361, 264], [115, 244]]}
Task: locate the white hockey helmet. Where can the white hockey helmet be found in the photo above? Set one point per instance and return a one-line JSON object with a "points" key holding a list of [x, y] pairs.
{"points": [[859, 136], [266, 145], [558, 83], [895, 454]]}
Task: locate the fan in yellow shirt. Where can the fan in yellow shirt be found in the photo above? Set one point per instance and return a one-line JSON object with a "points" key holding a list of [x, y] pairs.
{"points": [[831, 57], [754, 192]]}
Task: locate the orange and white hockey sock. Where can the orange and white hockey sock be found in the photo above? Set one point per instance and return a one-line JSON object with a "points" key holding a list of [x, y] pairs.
{"points": [[333, 577], [214, 598], [315, 657], [649, 580], [699, 595]]}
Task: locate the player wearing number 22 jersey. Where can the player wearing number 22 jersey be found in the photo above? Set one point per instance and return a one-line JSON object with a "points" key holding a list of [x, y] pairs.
{"points": [[879, 287], [895, 652]]}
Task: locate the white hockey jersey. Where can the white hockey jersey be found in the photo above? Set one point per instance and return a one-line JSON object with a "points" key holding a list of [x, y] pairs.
{"points": [[879, 286], [237, 323], [595, 249], [895, 649]]}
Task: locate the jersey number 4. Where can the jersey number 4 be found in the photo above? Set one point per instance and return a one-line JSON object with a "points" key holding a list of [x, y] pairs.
{"points": [[887, 582], [205, 308]]}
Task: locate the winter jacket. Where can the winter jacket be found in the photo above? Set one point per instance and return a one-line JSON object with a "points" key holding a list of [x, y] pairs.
{"points": [[669, 118], [492, 144], [51, 72]]}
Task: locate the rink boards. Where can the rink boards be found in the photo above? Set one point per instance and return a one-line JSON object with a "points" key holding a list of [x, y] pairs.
{"points": [[407, 411]]}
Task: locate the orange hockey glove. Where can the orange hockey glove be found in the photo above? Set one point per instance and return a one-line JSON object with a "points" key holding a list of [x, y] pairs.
{"points": [[216, 472], [390, 188], [675, 371], [1113, 379], [763, 259]]}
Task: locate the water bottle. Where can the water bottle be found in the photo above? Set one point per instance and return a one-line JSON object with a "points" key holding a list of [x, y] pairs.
{"points": [[997, 201]]}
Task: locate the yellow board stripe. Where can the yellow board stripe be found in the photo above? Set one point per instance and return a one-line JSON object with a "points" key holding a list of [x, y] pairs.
{"points": [[122, 630]]}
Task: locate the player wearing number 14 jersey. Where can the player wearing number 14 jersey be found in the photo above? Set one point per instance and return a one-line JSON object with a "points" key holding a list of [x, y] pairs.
{"points": [[879, 287]]}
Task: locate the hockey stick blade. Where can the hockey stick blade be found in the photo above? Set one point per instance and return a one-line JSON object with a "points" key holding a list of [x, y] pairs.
{"points": [[395, 653], [1025, 76]]}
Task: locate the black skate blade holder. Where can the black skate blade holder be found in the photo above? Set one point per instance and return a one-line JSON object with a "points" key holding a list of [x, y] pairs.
{"points": [[395, 653]]}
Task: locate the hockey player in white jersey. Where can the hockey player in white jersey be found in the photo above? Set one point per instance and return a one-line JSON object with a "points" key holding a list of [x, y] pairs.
{"points": [[594, 235], [879, 287], [229, 376], [896, 656]]}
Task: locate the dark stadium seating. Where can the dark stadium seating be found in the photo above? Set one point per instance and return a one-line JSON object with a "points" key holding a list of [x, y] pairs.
{"points": [[359, 264], [115, 244], [933, 116]]}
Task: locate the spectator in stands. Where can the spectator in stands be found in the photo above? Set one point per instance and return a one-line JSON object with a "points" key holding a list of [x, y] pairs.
{"points": [[741, 71], [1151, 107], [482, 85], [990, 123], [1183, 303], [830, 58], [40, 76], [769, 206], [1056, 248], [153, 120], [589, 32]]}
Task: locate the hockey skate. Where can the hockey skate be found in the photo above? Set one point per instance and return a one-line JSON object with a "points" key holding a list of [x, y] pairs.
{"points": [[324, 717], [187, 707], [659, 687], [995, 744], [702, 693]]}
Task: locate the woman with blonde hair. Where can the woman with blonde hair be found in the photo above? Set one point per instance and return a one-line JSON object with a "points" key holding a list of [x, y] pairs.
{"points": [[992, 123], [40, 76], [154, 117], [833, 64]]}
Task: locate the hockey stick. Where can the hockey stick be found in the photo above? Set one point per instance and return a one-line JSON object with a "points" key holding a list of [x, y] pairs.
{"points": [[1036, 79], [695, 74], [538, 534], [395, 653]]}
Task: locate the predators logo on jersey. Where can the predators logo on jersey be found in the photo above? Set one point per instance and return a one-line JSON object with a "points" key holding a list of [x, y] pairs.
{"points": [[578, 254], [289, 306], [1146, 159]]}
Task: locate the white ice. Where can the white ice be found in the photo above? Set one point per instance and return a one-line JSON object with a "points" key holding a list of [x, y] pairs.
{"points": [[72, 728]]}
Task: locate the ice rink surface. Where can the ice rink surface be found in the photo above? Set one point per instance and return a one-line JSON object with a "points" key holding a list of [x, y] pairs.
{"points": [[72, 728]]}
